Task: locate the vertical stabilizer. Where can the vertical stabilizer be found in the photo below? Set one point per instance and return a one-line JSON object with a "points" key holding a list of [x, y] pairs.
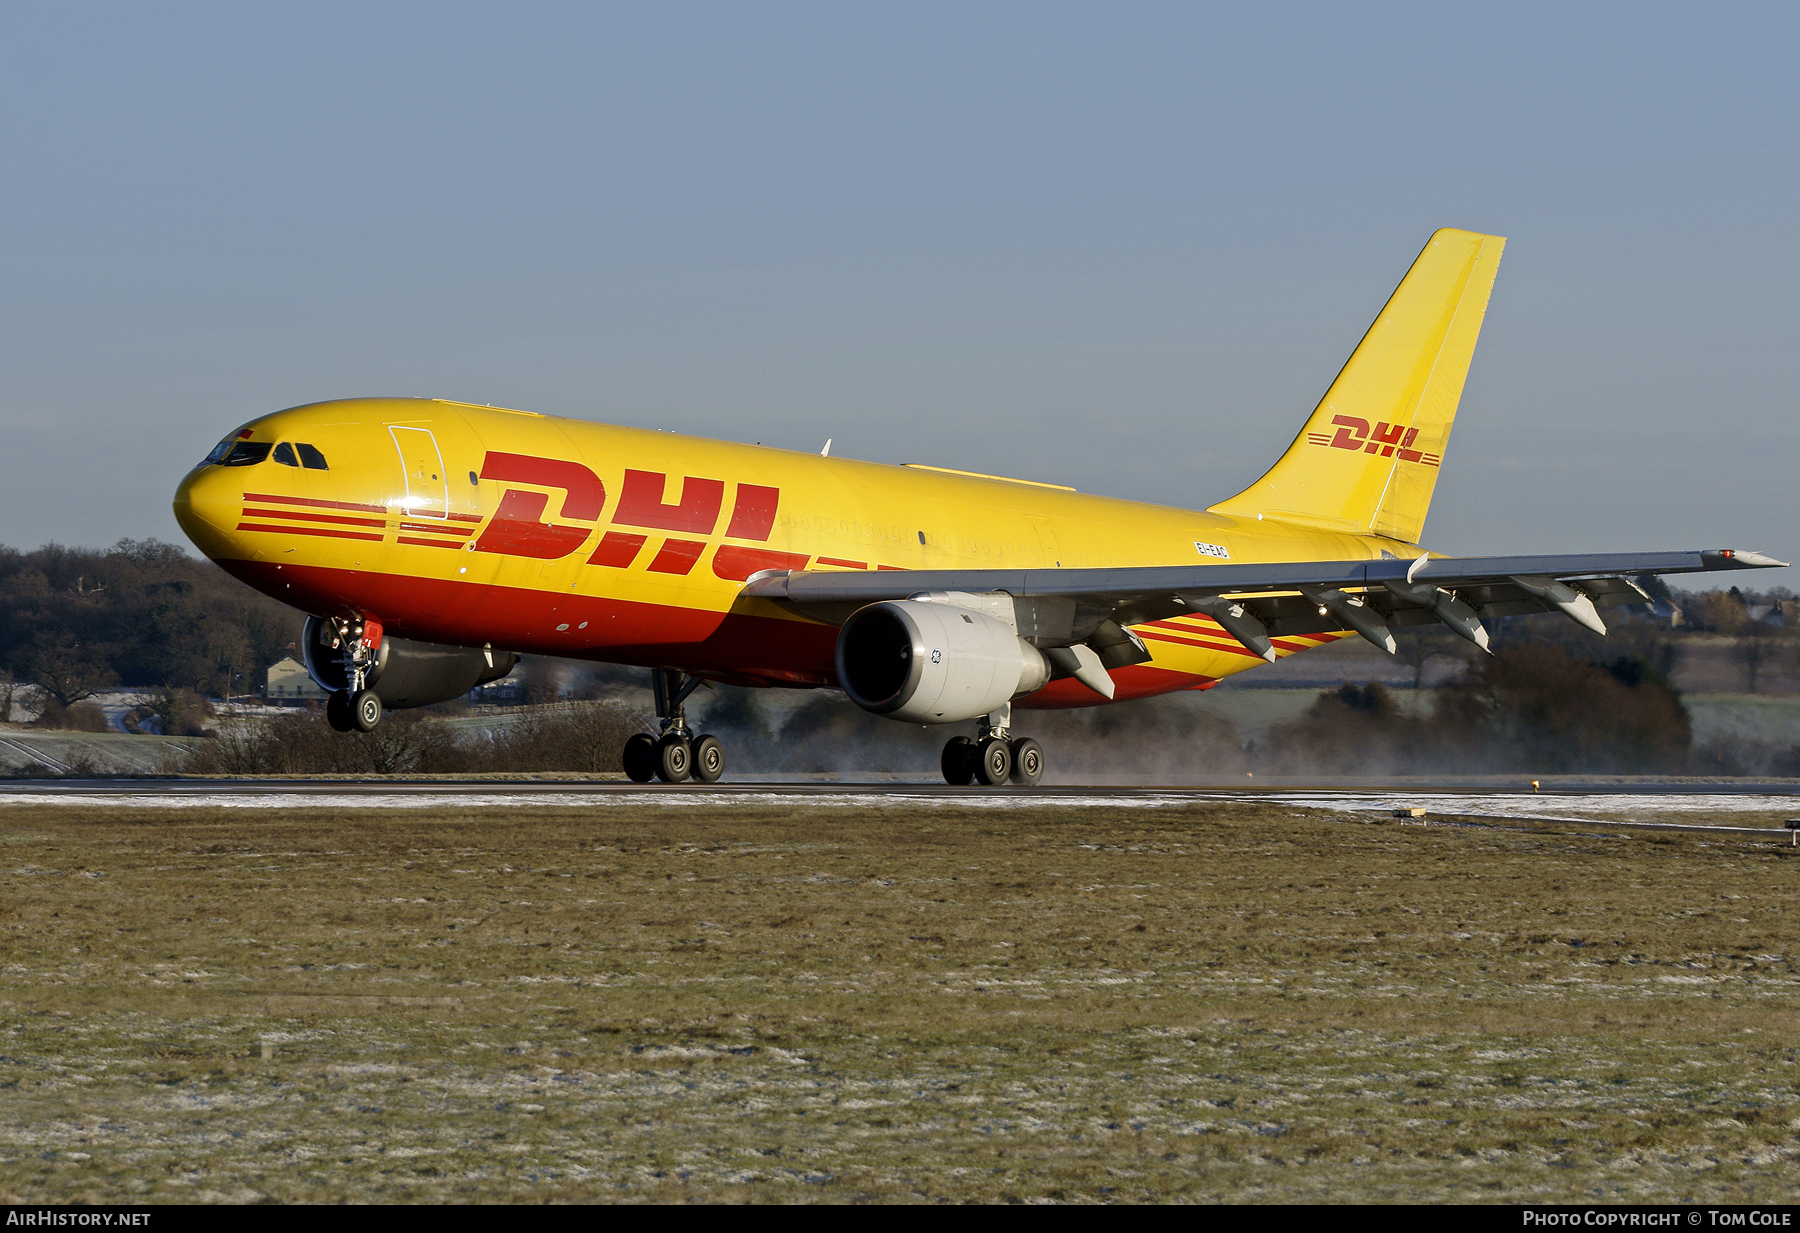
{"points": [[1367, 460]]}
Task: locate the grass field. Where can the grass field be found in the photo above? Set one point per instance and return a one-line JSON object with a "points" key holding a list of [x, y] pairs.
{"points": [[831, 1002]]}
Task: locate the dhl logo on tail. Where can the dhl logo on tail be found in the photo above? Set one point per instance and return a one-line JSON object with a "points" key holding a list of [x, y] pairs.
{"points": [[1389, 440]]}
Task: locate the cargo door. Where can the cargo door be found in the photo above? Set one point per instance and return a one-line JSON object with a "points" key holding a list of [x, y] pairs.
{"points": [[427, 489]]}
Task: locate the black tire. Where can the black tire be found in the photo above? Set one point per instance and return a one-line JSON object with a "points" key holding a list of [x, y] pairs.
{"points": [[639, 758], [709, 759], [674, 760], [1027, 762], [958, 762], [337, 711], [365, 710], [993, 762]]}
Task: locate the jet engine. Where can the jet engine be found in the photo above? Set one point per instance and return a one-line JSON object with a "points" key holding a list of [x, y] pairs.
{"points": [[405, 673], [934, 663]]}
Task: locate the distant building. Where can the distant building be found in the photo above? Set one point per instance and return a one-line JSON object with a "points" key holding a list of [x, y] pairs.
{"points": [[1778, 614], [507, 691], [291, 685]]}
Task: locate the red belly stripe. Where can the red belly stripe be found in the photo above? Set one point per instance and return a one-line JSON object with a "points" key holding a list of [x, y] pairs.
{"points": [[1232, 648], [725, 646]]}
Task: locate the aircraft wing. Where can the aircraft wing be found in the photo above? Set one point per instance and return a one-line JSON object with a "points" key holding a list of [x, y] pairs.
{"points": [[1253, 603]]}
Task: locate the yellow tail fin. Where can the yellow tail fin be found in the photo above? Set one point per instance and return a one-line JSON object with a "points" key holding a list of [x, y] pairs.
{"points": [[1367, 460]]}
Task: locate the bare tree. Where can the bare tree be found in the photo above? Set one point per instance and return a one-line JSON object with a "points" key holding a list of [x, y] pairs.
{"points": [[1416, 646], [1758, 646], [65, 670]]}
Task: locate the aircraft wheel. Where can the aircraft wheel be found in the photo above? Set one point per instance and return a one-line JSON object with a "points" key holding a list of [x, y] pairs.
{"points": [[674, 760], [958, 762], [709, 759], [365, 710], [1027, 762], [337, 711], [639, 757], [993, 762]]}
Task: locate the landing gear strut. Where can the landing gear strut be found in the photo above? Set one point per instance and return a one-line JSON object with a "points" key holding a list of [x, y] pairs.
{"points": [[993, 756], [355, 639], [677, 754]]}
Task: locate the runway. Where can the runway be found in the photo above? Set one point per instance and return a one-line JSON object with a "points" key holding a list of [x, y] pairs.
{"points": [[1747, 807]]}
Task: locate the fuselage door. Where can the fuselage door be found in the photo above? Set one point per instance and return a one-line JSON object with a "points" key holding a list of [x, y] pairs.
{"points": [[427, 490]]}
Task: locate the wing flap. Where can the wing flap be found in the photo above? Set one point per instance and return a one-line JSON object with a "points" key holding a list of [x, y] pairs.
{"points": [[1063, 607]]}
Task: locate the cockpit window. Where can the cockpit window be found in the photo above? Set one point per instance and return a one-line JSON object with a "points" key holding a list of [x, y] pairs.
{"points": [[246, 454], [234, 451]]}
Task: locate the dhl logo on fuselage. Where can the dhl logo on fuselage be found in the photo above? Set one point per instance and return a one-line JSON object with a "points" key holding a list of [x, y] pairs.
{"points": [[519, 527], [1354, 433]]}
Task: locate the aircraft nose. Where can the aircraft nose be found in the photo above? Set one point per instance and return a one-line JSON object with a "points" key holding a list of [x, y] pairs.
{"points": [[207, 512]]}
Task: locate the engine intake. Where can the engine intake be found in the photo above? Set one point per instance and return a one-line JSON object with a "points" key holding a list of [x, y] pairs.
{"points": [[405, 673], [934, 663]]}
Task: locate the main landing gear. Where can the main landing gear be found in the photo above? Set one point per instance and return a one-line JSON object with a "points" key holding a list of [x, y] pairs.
{"points": [[993, 756], [677, 754]]}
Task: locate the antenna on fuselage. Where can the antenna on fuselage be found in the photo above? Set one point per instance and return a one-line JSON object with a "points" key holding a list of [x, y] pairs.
{"points": [[826, 452]]}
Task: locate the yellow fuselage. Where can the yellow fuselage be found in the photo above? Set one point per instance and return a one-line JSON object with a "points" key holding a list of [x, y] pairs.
{"points": [[478, 526]]}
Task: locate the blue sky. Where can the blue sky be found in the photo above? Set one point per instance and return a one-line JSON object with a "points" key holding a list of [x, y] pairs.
{"points": [[1122, 246]]}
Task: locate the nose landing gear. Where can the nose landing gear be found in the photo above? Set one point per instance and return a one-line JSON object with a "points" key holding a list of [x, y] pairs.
{"points": [[677, 754], [354, 712], [365, 709], [356, 640], [338, 713], [993, 756]]}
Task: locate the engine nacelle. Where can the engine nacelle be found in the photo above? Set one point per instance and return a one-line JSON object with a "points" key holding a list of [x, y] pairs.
{"points": [[934, 663], [405, 673]]}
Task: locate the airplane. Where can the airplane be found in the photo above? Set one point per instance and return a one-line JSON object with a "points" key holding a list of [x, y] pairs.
{"points": [[431, 542]]}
